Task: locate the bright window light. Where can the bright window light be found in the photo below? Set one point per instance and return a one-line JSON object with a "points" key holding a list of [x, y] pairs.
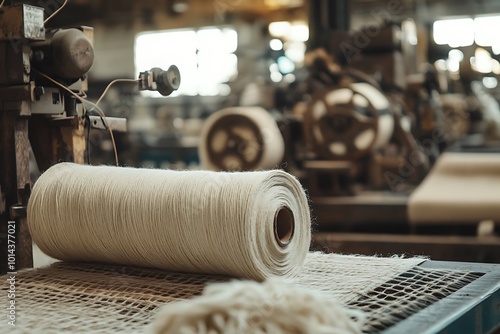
{"points": [[225, 40], [299, 32], [276, 44], [495, 66], [487, 29], [455, 56], [276, 76], [295, 51], [289, 78], [205, 57], [455, 33], [482, 61], [410, 30], [292, 37], [496, 48], [466, 31], [280, 28], [441, 65], [274, 67], [490, 82], [285, 65], [283, 3]]}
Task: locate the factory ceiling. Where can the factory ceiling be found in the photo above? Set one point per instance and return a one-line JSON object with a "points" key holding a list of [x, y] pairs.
{"points": [[113, 12]]}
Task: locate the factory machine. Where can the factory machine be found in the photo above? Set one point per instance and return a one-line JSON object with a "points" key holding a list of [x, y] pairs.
{"points": [[365, 118], [43, 107], [361, 132], [381, 150], [356, 124]]}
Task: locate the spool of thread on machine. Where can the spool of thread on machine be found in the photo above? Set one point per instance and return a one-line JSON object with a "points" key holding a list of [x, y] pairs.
{"points": [[241, 138], [251, 225]]}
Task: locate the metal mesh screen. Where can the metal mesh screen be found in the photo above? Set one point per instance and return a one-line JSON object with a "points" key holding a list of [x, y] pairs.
{"points": [[410, 292], [76, 297]]}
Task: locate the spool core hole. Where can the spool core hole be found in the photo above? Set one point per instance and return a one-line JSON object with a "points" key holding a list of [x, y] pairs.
{"points": [[284, 226]]}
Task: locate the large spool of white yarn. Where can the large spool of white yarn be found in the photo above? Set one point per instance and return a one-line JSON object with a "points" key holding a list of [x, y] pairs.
{"points": [[241, 139], [251, 225]]}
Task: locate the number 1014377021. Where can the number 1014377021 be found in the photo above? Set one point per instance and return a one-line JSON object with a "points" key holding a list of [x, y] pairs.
{"points": [[11, 246]]}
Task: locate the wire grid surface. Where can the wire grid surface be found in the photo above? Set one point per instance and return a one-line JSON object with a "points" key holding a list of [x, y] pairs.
{"points": [[80, 297], [408, 293]]}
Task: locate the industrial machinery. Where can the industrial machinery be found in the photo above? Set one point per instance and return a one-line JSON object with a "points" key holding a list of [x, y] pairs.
{"points": [[361, 130], [348, 133], [358, 134], [426, 121], [43, 107]]}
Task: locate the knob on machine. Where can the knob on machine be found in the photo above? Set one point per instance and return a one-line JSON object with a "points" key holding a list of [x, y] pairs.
{"points": [[164, 82]]}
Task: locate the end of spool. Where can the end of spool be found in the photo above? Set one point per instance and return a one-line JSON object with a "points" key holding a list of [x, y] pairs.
{"points": [[284, 226]]}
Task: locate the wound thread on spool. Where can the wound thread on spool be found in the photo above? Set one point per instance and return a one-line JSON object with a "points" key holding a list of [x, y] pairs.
{"points": [[244, 224], [241, 139]]}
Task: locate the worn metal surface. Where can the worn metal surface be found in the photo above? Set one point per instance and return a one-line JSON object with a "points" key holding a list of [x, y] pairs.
{"points": [[14, 178], [24, 247], [14, 63], [57, 139], [22, 22], [15, 93], [115, 123], [370, 209], [47, 100], [66, 54]]}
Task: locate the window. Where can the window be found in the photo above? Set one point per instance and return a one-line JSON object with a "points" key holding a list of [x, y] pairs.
{"points": [[205, 57], [464, 32], [487, 29], [289, 37], [455, 33]]}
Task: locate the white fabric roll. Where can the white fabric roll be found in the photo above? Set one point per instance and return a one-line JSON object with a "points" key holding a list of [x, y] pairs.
{"points": [[252, 225]]}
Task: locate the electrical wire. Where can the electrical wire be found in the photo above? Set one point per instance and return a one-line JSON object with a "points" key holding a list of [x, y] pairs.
{"points": [[111, 84], [87, 118], [100, 99], [101, 113], [57, 11]]}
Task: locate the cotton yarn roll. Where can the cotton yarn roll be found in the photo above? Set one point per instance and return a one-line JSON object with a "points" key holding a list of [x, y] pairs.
{"points": [[243, 224]]}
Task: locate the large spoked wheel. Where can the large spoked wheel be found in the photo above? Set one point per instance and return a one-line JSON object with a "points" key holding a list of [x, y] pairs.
{"points": [[241, 139], [344, 123], [234, 143]]}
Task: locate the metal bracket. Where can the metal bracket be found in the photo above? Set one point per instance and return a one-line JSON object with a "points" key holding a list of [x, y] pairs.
{"points": [[18, 211], [115, 123]]}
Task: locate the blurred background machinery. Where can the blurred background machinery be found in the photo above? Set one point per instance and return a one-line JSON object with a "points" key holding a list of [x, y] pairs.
{"points": [[358, 99]]}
